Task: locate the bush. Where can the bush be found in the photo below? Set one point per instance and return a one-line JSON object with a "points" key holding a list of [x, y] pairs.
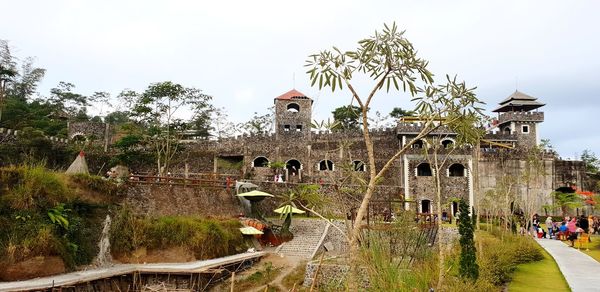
{"points": [[96, 183], [206, 238], [30, 204], [500, 257]]}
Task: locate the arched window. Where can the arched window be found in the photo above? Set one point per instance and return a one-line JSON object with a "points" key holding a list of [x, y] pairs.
{"points": [[260, 161], [456, 169], [293, 107], [447, 143], [506, 131], [326, 165], [293, 166], [418, 144], [358, 165], [424, 169]]}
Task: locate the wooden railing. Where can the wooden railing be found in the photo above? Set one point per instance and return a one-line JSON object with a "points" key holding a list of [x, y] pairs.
{"points": [[214, 181]]}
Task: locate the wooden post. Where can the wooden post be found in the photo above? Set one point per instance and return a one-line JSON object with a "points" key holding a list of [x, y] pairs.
{"points": [[232, 281], [187, 171]]}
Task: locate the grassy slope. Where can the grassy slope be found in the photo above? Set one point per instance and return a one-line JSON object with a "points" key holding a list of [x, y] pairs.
{"points": [[594, 248], [542, 275]]}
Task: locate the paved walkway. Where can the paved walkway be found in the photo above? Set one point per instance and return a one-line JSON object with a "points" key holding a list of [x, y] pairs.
{"points": [[581, 271]]}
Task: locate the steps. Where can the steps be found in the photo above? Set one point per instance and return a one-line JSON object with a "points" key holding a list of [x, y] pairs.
{"points": [[308, 236]]}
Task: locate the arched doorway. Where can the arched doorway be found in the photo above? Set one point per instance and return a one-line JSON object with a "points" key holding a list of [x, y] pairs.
{"points": [[425, 206], [293, 166], [260, 161]]}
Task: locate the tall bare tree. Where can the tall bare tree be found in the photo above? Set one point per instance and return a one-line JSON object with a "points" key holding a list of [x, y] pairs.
{"points": [[391, 62]]}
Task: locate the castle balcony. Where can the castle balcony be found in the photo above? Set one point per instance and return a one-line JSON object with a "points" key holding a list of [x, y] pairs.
{"points": [[507, 117]]}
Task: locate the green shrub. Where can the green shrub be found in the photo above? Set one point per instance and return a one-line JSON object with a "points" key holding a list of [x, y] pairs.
{"points": [[41, 216], [35, 187], [206, 238], [500, 257], [96, 183]]}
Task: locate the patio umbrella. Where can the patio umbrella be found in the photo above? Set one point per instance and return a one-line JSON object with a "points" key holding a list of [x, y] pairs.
{"points": [[250, 231], [255, 195], [289, 209]]}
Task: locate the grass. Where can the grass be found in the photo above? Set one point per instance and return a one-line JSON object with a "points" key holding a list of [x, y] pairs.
{"points": [[206, 238], [594, 248], [542, 275], [263, 276]]}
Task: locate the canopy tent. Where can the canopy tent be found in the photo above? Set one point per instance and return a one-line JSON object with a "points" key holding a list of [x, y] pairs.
{"points": [[79, 165], [288, 209]]}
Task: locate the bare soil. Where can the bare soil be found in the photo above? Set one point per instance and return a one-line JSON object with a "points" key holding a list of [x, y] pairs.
{"points": [[168, 255], [39, 266]]}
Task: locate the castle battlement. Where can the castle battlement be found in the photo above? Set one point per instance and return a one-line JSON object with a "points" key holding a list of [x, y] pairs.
{"points": [[521, 117]]}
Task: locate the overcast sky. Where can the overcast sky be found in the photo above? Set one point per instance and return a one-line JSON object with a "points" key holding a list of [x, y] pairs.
{"points": [[245, 53]]}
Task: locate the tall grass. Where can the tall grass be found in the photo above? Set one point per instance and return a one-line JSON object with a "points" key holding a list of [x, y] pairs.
{"points": [[27, 193], [206, 238]]}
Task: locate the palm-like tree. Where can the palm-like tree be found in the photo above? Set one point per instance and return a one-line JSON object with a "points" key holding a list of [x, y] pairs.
{"points": [[566, 201]]}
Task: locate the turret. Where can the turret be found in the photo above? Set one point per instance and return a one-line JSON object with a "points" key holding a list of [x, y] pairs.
{"points": [[293, 113], [518, 115]]}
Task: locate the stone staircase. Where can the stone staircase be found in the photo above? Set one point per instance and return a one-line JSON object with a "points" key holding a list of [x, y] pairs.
{"points": [[308, 237]]}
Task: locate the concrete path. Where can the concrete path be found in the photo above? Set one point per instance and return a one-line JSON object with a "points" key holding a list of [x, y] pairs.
{"points": [[581, 271], [120, 269]]}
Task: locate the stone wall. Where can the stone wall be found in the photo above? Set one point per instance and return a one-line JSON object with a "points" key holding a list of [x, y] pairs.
{"points": [[87, 130], [170, 200]]}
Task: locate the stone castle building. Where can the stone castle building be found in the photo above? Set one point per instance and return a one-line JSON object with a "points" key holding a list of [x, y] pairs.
{"points": [[500, 161], [503, 160]]}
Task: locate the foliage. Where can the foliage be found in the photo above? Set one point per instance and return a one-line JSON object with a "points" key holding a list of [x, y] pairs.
{"points": [[258, 124], [41, 216], [398, 113], [468, 265], [156, 108], [546, 273], [58, 215], [97, 184], [206, 238], [390, 60], [592, 164], [347, 117], [33, 146], [277, 165], [502, 253], [16, 83], [566, 201]]}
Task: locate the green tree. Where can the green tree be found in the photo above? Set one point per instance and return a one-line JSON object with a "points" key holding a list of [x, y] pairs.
{"points": [[398, 113], [15, 83], [468, 267], [117, 117], [566, 201], [592, 164], [258, 124], [391, 62], [348, 117], [156, 107]]}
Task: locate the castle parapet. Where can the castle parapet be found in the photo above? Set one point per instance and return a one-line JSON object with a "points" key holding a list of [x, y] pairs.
{"points": [[520, 117]]}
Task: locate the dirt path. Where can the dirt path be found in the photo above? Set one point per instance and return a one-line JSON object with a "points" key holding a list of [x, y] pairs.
{"points": [[286, 264]]}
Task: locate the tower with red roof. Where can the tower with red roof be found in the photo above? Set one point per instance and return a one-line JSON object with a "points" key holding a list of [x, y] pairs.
{"points": [[293, 114]]}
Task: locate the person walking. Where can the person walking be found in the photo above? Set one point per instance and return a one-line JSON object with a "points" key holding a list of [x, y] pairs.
{"points": [[549, 226]]}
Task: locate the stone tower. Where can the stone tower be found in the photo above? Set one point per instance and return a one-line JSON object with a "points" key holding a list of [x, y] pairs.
{"points": [[518, 116], [293, 113]]}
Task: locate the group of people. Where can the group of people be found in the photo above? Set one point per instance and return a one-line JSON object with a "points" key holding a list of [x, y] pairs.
{"points": [[570, 228]]}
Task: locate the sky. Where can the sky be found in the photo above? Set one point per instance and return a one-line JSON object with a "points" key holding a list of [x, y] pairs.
{"points": [[245, 53]]}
